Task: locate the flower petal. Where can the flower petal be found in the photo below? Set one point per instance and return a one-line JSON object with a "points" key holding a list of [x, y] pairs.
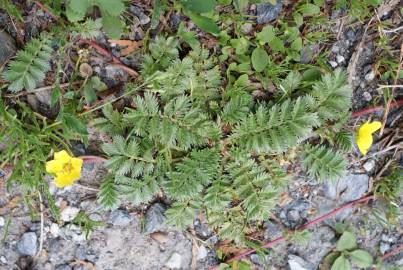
{"points": [[364, 138], [62, 156], [76, 163], [369, 128], [63, 180], [364, 143], [54, 166]]}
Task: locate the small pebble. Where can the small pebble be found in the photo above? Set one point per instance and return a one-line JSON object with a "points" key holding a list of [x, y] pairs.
{"points": [[369, 165], [3, 260], [119, 218], [367, 96], [370, 76], [246, 28], [335, 49], [54, 230], [28, 244], [69, 213], [340, 59], [175, 261], [2, 222], [333, 64], [202, 253], [384, 247]]}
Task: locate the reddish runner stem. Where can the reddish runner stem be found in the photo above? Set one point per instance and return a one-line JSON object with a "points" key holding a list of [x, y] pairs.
{"points": [[365, 111], [309, 224], [41, 6], [393, 252]]}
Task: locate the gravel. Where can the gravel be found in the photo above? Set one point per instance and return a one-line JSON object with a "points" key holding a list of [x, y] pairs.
{"points": [[69, 213], [175, 261], [294, 214], [297, 263], [136, 11], [7, 47], [348, 188], [267, 12], [155, 219], [369, 165], [202, 253], [119, 218], [28, 244]]}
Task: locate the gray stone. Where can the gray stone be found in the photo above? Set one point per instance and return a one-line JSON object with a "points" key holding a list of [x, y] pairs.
{"points": [[258, 260], [3, 260], [28, 244], [155, 219], [340, 59], [370, 76], [384, 247], [69, 213], [95, 217], [308, 52], [348, 188], [267, 12], [54, 230], [63, 267], [7, 47], [367, 96], [175, 261], [320, 243], [297, 263], [369, 165], [246, 28], [333, 64], [119, 218], [80, 253], [213, 240], [202, 253], [136, 11], [325, 206], [202, 230], [272, 231], [294, 214], [351, 35], [2, 222]]}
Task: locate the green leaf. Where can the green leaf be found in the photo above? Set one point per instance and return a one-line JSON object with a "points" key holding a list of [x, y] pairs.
{"points": [[112, 26], [266, 35], [312, 74], [277, 45], [89, 94], [260, 59], [55, 95], [346, 242], [75, 124], [310, 9], [298, 18], [330, 258], [200, 6], [155, 19], [113, 8], [206, 24], [341, 263], [240, 5], [76, 9], [361, 258], [296, 45]]}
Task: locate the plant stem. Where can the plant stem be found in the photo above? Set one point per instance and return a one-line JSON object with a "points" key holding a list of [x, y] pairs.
{"points": [[306, 226]]}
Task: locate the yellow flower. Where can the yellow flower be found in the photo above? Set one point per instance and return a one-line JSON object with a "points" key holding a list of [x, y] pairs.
{"points": [[66, 168], [364, 135]]}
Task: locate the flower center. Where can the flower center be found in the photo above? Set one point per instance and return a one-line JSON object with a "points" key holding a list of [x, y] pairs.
{"points": [[68, 168]]}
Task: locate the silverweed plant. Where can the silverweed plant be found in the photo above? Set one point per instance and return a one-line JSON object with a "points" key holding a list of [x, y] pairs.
{"points": [[214, 150]]}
